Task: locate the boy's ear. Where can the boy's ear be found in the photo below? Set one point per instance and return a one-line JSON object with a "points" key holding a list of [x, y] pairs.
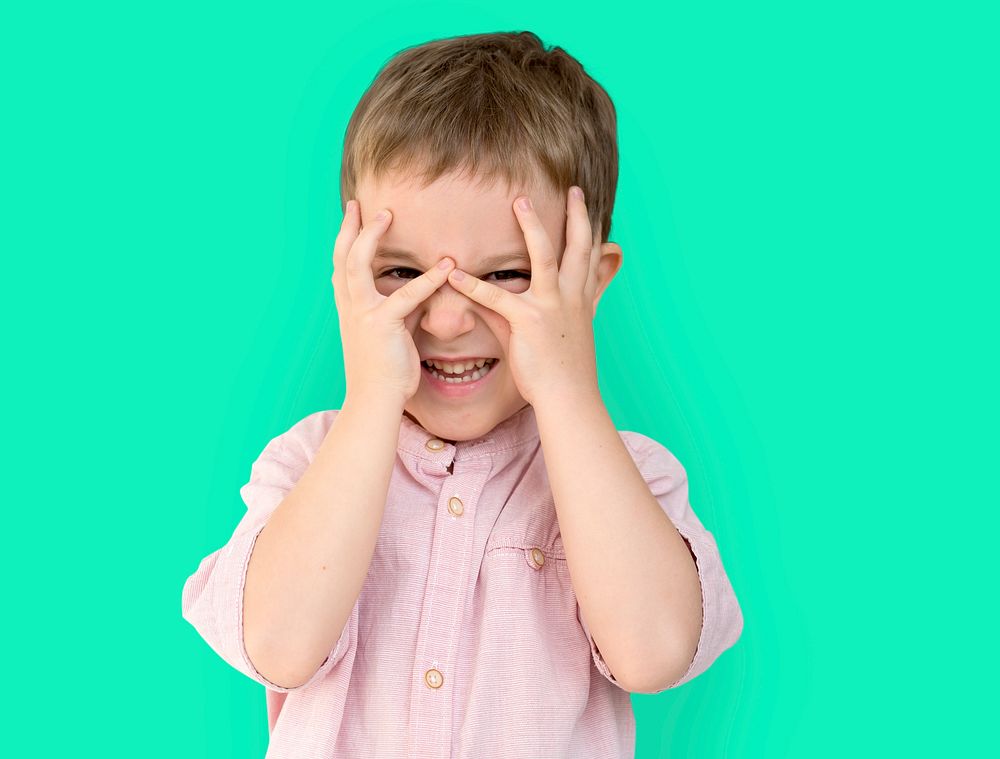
{"points": [[607, 267]]}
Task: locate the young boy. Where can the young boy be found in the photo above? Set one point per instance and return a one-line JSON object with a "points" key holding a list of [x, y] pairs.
{"points": [[467, 559]]}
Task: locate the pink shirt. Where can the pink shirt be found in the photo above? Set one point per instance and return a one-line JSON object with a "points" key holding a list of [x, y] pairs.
{"points": [[467, 639]]}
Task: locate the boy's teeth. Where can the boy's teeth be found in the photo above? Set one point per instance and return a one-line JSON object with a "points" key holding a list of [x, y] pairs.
{"points": [[458, 368], [482, 366]]}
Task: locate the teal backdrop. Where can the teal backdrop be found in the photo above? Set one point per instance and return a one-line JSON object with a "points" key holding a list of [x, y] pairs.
{"points": [[806, 317]]}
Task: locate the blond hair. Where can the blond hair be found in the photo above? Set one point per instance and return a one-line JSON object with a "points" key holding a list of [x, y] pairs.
{"points": [[491, 106]]}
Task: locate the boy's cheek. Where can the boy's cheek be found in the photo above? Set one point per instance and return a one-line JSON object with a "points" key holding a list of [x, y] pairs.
{"points": [[384, 287], [516, 286]]}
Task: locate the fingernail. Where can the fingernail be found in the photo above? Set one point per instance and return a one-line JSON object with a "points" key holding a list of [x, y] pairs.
{"points": [[458, 275], [524, 204], [382, 215], [444, 263], [577, 193]]}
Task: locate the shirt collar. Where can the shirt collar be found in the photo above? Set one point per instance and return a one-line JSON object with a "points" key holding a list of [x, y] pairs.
{"points": [[519, 428]]}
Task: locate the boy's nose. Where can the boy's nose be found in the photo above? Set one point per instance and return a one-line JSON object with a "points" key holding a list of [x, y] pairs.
{"points": [[447, 312], [448, 297]]}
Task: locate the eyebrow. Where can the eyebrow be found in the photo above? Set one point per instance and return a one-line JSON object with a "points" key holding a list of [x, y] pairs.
{"points": [[490, 262]]}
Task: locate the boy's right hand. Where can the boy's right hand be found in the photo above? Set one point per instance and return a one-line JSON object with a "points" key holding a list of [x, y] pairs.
{"points": [[380, 356]]}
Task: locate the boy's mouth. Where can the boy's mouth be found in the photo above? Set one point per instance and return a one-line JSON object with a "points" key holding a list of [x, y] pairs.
{"points": [[459, 372]]}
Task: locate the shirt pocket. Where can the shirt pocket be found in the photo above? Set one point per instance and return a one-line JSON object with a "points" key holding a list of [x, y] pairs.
{"points": [[527, 572], [529, 630], [536, 551]]}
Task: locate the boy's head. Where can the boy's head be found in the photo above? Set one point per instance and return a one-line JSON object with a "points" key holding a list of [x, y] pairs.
{"points": [[447, 136]]}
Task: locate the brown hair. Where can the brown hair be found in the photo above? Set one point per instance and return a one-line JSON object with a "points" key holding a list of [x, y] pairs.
{"points": [[492, 106]]}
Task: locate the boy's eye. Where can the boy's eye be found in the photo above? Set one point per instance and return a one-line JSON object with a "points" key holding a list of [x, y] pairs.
{"points": [[516, 274]]}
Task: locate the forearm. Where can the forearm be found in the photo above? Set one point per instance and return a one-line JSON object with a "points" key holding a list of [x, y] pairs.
{"points": [[633, 573], [311, 559]]}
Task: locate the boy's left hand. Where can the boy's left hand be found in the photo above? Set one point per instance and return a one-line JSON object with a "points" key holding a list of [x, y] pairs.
{"points": [[551, 348]]}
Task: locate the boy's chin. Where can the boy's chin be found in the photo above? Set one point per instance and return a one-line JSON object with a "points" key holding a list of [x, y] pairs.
{"points": [[450, 431]]}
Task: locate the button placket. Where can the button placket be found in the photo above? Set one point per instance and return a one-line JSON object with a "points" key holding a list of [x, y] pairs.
{"points": [[436, 445]]}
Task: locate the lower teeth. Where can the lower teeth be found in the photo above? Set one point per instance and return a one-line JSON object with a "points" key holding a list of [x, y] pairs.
{"points": [[477, 374]]}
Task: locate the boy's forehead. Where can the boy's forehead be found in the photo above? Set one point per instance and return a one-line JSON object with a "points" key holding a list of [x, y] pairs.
{"points": [[454, 214], [452, 187]]}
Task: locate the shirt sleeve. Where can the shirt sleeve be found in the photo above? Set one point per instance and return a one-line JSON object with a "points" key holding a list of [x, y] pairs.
{"points": [[722, 618], [212, 599]]}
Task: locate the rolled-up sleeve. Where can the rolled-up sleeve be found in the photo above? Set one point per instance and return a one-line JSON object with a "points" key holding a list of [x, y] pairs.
{"points": [[212, 598], [722, 618]]}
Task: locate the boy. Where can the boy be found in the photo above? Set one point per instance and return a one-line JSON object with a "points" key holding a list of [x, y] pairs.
{"points": [[467, 559]]}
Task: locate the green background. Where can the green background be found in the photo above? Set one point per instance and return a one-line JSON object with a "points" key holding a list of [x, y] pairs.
{"points": [[808, 210]]}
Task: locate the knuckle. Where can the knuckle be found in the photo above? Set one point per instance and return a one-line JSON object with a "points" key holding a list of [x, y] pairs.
{"points": [[412, 288], [406, 291], [493, 296]]}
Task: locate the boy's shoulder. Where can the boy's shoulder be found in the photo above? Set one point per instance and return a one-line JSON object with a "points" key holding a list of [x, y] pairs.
{"points": [[307, 434], [650, 455]]}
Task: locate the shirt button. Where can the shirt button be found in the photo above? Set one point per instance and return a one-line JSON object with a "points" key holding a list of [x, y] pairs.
{"points": [[434, 444], [434, 678], [455, 506], [537, 557]]}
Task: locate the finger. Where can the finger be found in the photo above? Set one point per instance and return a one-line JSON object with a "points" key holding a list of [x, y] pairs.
{"points": [[360, 281], [402, 302], [595, 258], [544, 264], [495, 298], [345, 238], [576, 262]]}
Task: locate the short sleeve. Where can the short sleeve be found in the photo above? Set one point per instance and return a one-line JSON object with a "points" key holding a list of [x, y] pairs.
{"points": [[595, 652], [722, 618], [212, 599]]}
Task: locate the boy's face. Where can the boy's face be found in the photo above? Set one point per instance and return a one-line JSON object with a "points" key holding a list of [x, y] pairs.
{"points": [[455, 217]]}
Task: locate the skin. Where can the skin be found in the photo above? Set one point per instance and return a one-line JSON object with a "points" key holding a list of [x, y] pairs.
{"points": [[541, 330]]}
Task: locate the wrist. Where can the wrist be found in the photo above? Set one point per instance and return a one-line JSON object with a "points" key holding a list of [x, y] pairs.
{"points": [[374, 402], [567, 397]]}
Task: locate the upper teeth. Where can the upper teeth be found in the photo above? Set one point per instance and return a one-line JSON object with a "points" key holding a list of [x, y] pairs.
{"points": [[459, 367]]}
